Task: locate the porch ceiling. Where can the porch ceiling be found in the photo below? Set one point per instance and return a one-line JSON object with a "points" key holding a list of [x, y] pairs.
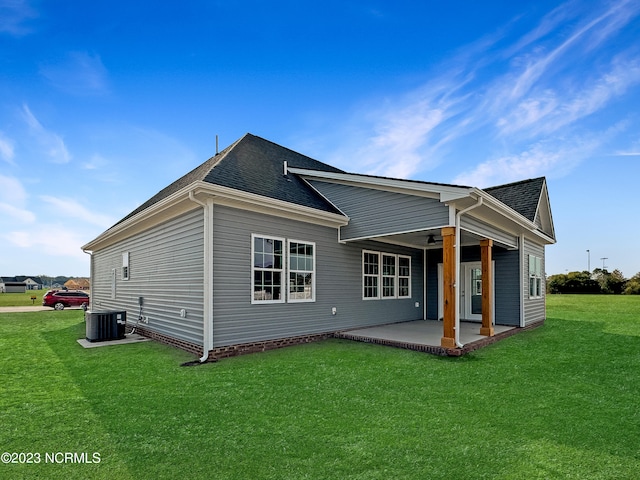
{"points": [[418, 239]]}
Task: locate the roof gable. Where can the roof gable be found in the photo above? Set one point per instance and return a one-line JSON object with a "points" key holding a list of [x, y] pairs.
{"points": [[530, 199]]}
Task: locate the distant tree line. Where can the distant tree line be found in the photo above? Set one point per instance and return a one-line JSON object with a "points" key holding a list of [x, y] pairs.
{"points": [[599, 281]]}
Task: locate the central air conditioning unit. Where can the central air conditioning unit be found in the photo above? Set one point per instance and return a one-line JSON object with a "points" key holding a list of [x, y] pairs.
{"points": [[104, 326]]}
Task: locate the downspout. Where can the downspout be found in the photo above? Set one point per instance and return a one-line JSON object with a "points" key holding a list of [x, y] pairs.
{"points": [[425, 264], [457, 266], [207, 324], [90, 253], [522, 281]]}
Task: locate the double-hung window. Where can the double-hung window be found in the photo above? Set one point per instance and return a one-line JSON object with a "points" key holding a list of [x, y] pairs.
{"points": [[370, 274], [283, 270], [301, 271], [385, 275], [535, 276], [388, 276], [404, 276], [268, 269]]}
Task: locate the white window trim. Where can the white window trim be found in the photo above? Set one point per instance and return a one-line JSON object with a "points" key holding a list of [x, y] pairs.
{"points": [[380, 276], [403, 276], [377, 276], [283, 270], [394, 276], [312, 272], [536, 274]]}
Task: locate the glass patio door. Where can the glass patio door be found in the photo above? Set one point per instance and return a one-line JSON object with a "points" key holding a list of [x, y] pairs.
{"points": [[473, 291]]}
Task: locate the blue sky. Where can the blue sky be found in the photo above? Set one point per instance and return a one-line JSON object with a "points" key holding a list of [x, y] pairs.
{"points": [[102, 104]]}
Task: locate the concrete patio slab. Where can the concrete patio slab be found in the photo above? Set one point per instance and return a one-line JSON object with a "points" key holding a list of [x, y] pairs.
{"points": [[425, 335], [130, 338]]}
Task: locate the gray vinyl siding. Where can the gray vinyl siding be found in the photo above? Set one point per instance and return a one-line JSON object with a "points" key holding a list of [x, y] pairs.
{"points": [[507, 285], [534, 308], [338, 282], [165, 268], [538, 222], [485, 230], [375, 212]]}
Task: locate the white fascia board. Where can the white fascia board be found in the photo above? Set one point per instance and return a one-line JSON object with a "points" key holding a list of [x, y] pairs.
{"points": [[509, 213], [318, 192], [544, 200], [495, 204], [544, 237], [444, 193], [179, 202], [164, 209], [251, 201]]}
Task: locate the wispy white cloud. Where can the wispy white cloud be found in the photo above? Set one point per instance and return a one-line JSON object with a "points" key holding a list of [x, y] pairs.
{"points": [[627, 154], [551, 156], [401, 135], [73, 210], [524, 164], [13, 16], [96, 162], [587, 35], [550, 109], [52, 143], [6, 149], [52, 239], [79, 73], [528, 96], [13, 199]]}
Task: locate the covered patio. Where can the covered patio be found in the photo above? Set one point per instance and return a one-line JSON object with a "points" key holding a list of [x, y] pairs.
{"points": [[425, 336]]}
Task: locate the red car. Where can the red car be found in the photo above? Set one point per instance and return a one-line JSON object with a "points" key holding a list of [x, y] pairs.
{"points": [[59, 299]]}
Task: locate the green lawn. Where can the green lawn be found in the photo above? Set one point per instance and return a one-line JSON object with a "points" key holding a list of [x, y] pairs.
{"points": [[562, 401], [22, 299]]}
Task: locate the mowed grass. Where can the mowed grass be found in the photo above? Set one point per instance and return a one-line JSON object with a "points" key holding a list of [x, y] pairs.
{"points": [[22, 299], [562, 401]]}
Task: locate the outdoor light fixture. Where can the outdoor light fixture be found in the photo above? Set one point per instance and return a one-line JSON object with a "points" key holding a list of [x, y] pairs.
{"points": [[431, 240]]}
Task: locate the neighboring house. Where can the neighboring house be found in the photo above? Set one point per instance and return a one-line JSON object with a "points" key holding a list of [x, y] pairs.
{"points": [[77, 284], [32, 283], [12, 285], [263, 246]]}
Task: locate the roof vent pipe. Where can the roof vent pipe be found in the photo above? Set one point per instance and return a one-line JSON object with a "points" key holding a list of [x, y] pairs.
{"points": [[285, 168]]}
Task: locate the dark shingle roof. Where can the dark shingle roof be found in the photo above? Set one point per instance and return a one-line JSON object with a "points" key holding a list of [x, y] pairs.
{"points": [[255, 165], [521, 196], [22, 278]]}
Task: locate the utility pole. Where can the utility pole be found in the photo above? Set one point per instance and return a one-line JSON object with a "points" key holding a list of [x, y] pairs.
{"points": [[603, 259], [588, 261]]}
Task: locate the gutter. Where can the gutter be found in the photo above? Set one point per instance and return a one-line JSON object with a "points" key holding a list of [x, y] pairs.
{"points": [[457, 266], [207, 324], [90, 253]]}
